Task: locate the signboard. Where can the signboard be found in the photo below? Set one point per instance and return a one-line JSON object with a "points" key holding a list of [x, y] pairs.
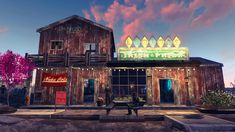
{"points": [[153, 54], [60, 98], [54, 80], [153, 49]]}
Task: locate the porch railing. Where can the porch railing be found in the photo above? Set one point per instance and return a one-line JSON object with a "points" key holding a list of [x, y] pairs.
{"points": [[66, 59]]}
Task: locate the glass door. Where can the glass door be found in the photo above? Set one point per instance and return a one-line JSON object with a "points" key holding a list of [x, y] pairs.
{"points": [[166, 91], [89, 86]]}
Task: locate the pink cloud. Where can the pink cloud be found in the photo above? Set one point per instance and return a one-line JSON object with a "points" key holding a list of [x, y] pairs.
{"points": [[86, 14], [3, 29], [96, 12], [133, 20]]}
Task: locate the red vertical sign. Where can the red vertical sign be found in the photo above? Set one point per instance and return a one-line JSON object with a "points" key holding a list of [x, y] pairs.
{"points": [[60, 98]]}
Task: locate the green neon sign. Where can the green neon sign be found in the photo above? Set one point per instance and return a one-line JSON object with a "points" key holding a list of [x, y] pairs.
{"points": [[153, 53]]}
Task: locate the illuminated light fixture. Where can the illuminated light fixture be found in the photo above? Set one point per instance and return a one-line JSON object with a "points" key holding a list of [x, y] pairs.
{"points": [[144, 42], [194, 69], [119, 70], [137, 42], [38, 68], [51, 68], [159, 70], [142, 69], [46, 69], [164, 70], [176, 42], [133, 68], [82, 69], [137, 69], [160, 42], [92, 69], [87, 69], [155, 69], [124, 69], [129, 42], [182, 69], [114, 70], [178, 69], [188, 70], [152, 42], [170, 70], [168, 42], [110, 69]]}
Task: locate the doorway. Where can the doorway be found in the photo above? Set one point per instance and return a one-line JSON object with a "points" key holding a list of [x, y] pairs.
{"points": [[89, 86], [166, 91]]}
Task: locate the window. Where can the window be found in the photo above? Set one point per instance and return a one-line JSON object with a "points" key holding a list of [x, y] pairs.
{"points": [[124, 82], [56, 44], [91, 47]]}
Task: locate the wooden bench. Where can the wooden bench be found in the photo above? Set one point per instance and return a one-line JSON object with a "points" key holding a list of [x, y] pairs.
{"points": [[113, 105]]}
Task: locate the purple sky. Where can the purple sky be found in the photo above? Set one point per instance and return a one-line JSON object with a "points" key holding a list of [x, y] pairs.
{"points": [[207, 27]]}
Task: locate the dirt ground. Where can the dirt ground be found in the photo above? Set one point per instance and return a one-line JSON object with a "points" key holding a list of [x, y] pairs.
{"points": [[56, 125]]}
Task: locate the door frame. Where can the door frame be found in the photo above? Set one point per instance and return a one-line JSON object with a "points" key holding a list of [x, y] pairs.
{"points": [[95, 90], [173, 89]]}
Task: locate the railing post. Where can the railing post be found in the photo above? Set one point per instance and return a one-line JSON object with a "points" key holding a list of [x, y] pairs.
{"points": [[87, 58], [45, 57], [26, 55], [66, 59]]}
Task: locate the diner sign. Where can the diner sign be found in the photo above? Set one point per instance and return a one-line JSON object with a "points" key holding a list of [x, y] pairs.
{"points": [[153, 49], [54, 80]]}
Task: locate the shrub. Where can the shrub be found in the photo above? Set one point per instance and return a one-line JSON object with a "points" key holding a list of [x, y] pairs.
{"points": [[218, 99]]}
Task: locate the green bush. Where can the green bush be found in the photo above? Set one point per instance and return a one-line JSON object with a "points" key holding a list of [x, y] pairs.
{"points": [[218, 99]]}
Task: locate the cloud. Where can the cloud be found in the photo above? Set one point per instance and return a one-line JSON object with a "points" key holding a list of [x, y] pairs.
{"points": [[215, 10], [133, 19], [3, 29], [96, 12], [86, 14]]}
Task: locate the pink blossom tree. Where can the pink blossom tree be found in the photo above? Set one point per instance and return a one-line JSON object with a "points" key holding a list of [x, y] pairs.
{"points": [[14, 70]]}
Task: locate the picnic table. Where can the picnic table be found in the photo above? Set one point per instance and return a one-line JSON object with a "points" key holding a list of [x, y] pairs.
{"points": [[126, 104]]}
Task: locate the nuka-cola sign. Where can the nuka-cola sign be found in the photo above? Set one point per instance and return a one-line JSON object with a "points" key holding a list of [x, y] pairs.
{"points": [[54, 80]]}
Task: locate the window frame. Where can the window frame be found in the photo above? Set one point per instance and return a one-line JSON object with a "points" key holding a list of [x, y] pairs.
{"points": [[62, 44]]}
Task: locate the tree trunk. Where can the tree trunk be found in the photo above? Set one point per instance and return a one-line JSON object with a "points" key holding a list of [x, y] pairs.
{"points": [[8, 95]]}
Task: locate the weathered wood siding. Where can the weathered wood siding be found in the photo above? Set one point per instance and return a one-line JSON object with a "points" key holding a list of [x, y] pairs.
{"points": [[201, 79], [74, 40], [101, 76]]}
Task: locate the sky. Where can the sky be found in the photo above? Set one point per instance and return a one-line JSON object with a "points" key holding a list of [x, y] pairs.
{"points": [[206, 27]]}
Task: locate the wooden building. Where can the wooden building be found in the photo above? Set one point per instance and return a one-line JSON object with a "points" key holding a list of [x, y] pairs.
{"points": [[83, 50]]}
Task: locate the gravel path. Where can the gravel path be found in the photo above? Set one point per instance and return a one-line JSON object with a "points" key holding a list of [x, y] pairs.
{"points": [[56, 125]]}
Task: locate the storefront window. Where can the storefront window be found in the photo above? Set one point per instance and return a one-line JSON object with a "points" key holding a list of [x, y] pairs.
{"points": [[126, 81]]}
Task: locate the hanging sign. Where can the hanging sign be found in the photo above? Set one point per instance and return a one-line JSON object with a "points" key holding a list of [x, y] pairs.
{"points": [[54, 80], [60, 98]]}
